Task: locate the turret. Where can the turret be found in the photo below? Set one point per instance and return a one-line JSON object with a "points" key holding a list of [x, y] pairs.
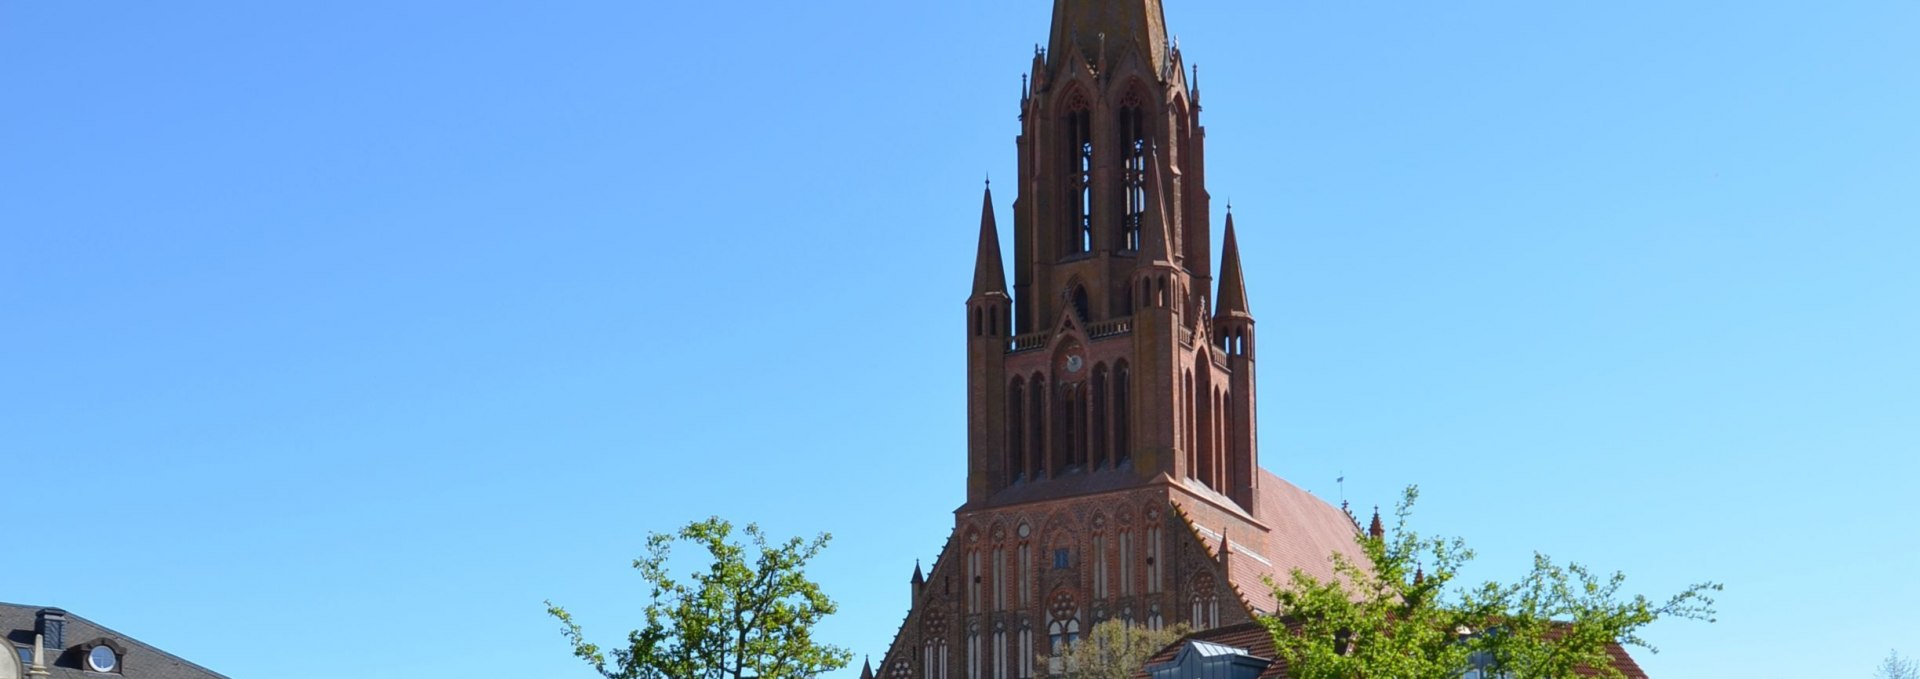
{"points": [[1233, 336], [988, 332]]}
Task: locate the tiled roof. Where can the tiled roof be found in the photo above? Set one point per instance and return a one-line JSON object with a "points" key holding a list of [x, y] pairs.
{"points": [[139, 661], [1304, 533]]}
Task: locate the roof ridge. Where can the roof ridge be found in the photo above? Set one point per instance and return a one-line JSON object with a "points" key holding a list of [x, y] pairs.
{"points": [[123, 636]]}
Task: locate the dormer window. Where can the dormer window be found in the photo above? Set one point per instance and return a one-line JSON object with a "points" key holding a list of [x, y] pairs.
{"points": [[103, 659]]}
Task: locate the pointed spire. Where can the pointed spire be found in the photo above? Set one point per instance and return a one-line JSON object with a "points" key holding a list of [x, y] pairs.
{"points": [[1232, 300], [1158, 239], [866, 668], [919, 578], [989, 276], [1108, 29], [1376, 530]]}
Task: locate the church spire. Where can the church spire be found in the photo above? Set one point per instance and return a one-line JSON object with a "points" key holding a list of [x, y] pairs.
{"points": [[989, 275], [1158, 245], [1079, 26], [1233, 285]]}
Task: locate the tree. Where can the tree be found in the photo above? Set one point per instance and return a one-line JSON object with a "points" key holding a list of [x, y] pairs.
{"points": [[1896, 667], [1113, 650], [734, 620], [1399, 616]]}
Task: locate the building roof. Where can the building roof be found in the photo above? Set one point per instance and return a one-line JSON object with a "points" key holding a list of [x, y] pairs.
{"points": [[137, 660], [1256, 640], [1304, 533]]}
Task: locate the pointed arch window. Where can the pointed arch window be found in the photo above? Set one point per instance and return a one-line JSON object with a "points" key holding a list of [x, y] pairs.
{"points": [[1122, 452], [1036, 427], [1133, 147], [1016, 427], [1078, 124], [1064, 628], [1102, 404]]}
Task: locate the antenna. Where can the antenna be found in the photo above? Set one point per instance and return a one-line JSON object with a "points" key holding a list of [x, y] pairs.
{"points": [[1343, 487]]}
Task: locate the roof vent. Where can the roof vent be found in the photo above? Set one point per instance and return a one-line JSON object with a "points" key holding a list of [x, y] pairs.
{"points": [[52, 626]]}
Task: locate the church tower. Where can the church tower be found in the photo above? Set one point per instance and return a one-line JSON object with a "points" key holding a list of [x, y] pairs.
{"points": [[1113, 463]]}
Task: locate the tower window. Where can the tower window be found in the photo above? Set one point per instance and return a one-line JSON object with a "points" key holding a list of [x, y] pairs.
{"points": [[1062, 559], [1133, 147], [1079, 136]]}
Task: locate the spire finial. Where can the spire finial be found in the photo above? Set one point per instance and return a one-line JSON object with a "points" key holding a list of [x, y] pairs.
{"points": [[1376, 530]]}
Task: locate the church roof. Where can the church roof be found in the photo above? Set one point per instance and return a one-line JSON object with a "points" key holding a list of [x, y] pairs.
{"points": [[1305, 533]]}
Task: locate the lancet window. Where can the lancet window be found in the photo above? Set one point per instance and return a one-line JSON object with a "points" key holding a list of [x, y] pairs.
{"points": [[1078, 124], [1133, 147]]}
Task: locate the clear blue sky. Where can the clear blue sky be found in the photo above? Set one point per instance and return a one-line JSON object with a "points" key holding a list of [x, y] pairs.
{"points": [[342, 334]]}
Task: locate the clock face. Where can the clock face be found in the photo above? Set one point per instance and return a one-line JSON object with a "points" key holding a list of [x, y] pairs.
{"points": [[1071, 363]]}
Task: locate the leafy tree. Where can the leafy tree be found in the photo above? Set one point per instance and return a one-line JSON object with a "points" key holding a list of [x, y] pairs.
{"points": [[1113, 650], [1400, 617], [736, 619], [1896, 667]]}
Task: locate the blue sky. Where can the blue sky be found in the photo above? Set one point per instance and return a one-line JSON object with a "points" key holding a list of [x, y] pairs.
{"points": [[344, 334]]}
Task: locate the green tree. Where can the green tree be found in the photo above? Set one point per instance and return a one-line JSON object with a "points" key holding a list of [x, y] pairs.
{"points": [[1113, 650], [1400, 616], [737, 619], [1896, 667]]}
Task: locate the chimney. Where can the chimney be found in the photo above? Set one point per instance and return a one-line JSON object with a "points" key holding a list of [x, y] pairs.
{"points": [[52, 626]]}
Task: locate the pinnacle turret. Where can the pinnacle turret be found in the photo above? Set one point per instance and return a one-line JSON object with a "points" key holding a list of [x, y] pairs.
{"points": [[989, 275], [1233, 285], [1158, 236]]}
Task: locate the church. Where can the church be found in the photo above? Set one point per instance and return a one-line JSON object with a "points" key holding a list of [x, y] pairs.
{"points": [[1113, 461]]}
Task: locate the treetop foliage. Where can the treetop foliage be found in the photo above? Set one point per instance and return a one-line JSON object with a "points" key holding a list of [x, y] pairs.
{"points": [[736, 619], [1402, 617]]}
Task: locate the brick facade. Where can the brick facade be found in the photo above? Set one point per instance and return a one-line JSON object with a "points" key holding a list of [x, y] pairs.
{"points": [[1113, 464]]}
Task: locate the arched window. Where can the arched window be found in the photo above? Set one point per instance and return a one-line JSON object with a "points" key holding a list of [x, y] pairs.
{"points": [[1206, 603], [1078, 125], [1236, 467], [1064, 627], [1123, 451], [1102, 402], [1037, 427], [999, 662], [1080, 305], [976, 322], [1133, 147], [1189, 441], [1016, 441]]}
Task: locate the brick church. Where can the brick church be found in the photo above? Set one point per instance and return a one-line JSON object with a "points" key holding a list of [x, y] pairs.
{"points": [[1113, 466]]}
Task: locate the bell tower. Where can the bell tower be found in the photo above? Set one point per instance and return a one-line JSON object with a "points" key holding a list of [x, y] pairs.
{"points": [[1114, 364], [1113, 472]]}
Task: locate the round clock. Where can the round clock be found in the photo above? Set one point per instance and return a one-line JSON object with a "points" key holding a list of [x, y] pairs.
{"points": [[1069, 364]]}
